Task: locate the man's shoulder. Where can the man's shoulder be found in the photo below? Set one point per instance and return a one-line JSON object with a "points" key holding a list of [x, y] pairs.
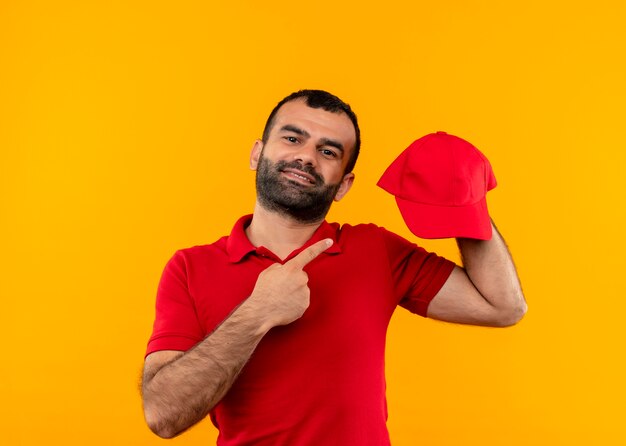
{"points": [[359, 228], [370, 234], [231, 244], [366, 233]]}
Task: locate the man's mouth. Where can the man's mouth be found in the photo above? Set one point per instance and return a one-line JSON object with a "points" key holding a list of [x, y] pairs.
{"points": [[299, 176]]}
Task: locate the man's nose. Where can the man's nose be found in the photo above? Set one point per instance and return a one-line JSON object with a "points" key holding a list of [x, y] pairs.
{"points": [[307, 154]]}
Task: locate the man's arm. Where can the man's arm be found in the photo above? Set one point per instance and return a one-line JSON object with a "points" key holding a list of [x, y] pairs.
{"points": [[179, 389], [486, 291]]}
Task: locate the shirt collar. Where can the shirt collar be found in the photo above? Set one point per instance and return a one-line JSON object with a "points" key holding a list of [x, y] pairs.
{"points": [[238, 245]]}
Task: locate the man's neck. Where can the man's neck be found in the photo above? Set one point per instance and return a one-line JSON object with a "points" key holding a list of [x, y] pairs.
{"points": [[278, 233]]}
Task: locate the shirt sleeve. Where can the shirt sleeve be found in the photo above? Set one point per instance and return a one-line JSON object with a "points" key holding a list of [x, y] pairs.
{"points": [[418, 275], [176, 323]]}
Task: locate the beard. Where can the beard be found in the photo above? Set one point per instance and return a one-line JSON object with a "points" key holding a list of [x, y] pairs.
{"points": [[305, 204]]}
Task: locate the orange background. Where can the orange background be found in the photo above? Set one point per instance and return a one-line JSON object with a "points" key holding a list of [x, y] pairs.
{"points": [[125, 129]]}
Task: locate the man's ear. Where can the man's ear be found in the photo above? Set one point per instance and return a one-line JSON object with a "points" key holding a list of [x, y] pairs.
{"points": [[344, 187], [255, 154]]}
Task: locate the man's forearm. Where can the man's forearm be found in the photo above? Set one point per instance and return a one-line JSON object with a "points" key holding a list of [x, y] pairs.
{"points": [[490, 267], [182, 392]]}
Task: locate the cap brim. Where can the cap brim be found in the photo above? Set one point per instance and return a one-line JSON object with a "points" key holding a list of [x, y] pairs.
{"points": [[433, 222]]}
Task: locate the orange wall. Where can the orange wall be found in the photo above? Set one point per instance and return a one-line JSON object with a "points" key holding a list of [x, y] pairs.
{"points": [[125, 129]]}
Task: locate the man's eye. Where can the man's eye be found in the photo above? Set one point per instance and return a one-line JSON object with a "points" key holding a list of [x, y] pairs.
{"points": [[328, 152], [292, 139]]}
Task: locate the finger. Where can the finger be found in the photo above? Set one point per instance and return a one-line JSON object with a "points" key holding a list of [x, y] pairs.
{"points": [[308, 254]]}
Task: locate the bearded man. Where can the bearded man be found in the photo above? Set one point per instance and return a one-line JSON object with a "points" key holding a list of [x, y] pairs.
{"points": [[277, 331]]}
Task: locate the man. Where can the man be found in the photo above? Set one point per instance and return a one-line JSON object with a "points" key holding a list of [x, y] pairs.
{"points": [[278, 330]]}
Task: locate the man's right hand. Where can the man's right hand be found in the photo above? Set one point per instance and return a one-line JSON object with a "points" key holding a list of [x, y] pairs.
{"points": [[281, 294], [172, 401]]}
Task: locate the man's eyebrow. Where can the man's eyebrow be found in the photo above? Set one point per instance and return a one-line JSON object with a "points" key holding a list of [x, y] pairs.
{"points": [[324, 141], [294, 129], [331, 142]]}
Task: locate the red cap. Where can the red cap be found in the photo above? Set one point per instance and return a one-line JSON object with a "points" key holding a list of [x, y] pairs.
{"points": [[440, 182]]}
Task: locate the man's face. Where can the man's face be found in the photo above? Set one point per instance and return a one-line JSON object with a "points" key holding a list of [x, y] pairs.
{"points": [[300, 169]]}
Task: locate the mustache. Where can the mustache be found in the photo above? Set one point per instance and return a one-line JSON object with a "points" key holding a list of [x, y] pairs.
{"points": [[282, 165]]}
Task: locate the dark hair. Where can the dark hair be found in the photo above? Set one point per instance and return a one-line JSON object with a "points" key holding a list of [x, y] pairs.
{"points": [[326, 101]]}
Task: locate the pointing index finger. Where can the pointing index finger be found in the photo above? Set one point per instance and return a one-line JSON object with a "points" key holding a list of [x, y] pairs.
{"points": [[310, 253]]}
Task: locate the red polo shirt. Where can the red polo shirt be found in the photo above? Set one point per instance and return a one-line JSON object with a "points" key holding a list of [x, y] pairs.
{"points": [[319, 380]]}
